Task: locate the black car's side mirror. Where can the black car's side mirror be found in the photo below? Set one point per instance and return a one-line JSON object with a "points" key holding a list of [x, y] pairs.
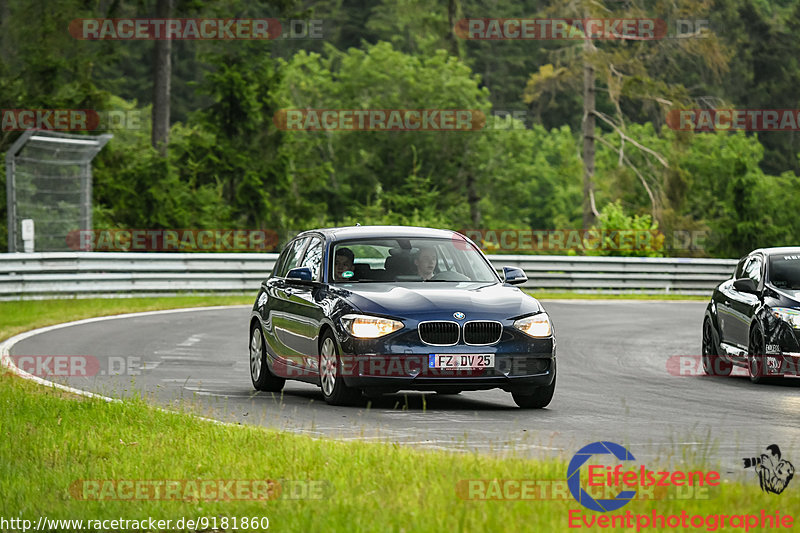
{"points": [[745, 285], [514, 275], [300, 274]]}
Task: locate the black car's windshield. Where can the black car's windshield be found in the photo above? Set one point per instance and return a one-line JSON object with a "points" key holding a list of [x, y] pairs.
{"points": [[401, 260], [784, 271]]}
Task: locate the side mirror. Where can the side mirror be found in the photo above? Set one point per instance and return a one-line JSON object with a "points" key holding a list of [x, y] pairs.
{"points": [[514, 275], [745, 285], [300, 274]]}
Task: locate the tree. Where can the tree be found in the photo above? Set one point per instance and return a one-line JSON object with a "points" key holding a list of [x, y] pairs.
{"points": [[631, 68], [346, 171], [162, 73]]}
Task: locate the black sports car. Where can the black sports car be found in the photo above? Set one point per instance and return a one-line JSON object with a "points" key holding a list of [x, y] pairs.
{"points": [[378, 309], [753, 319]]}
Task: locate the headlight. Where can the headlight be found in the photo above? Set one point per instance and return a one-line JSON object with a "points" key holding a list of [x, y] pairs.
{"points": [[790, 316], [370, 327], [535, 326]]}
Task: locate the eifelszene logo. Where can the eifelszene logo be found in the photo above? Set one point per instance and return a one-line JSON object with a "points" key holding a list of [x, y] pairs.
{"points": [[774, 472], [574, 476], [614, 477]]}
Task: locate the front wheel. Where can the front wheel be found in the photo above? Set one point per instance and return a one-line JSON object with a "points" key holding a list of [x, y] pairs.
{"points": [[540, 397], [755, 357], [334, 389]]}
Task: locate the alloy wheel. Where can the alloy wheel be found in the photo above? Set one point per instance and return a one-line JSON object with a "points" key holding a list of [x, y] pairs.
{"points": [[255, 354], [327, 366]]}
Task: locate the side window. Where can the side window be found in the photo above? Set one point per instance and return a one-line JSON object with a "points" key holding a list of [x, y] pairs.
{"points": [[290, 257], [739, 273], [753, 269], [313, 259]]}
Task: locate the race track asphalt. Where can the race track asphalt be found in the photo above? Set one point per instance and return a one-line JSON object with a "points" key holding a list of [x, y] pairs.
{"points": [[614, 383]]}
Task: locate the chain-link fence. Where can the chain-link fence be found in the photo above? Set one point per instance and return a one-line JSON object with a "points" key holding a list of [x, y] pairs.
{"points": [[49, 181]]}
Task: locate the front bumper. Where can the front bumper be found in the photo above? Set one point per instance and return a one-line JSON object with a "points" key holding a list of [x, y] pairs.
{"points": [[511, 372], [401, 362], [782, 365], [782, 349]]}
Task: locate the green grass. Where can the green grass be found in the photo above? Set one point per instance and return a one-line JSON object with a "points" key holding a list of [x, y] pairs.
{"points": [[30, 314], [52, 440]]}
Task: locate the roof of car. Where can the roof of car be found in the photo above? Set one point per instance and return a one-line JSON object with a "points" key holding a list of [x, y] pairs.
{"points": [[778, 250], [371, 232]]}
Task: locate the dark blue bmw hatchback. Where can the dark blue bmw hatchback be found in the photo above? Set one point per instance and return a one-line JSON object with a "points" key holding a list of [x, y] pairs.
{"points": [[378, 309]]}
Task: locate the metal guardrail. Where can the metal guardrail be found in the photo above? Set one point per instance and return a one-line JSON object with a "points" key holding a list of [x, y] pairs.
{"points": [[654, 275], [84, 274]]}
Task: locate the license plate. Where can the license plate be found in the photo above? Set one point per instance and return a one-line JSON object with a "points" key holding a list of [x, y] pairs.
{"points": [[450, 360]]}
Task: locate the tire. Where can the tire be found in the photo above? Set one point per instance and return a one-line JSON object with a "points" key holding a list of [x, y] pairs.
{"points": [[261, 376], [713, 363], [331, 382], [755, 357], [540, 397]]}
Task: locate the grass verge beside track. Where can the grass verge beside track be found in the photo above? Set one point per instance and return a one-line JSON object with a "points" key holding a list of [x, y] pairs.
{"points": [[31, 314], [51, 441]]}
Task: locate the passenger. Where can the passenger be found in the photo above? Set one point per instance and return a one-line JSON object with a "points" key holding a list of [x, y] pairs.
{"points": [[426, 262], [342, 263]]}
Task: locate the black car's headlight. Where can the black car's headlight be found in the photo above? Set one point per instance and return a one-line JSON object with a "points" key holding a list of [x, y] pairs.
{"points": [[370, 327], [788, 315], [536, 325]]}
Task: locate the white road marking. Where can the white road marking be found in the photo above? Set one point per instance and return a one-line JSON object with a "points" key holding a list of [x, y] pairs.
{"points": [[192, 340]]}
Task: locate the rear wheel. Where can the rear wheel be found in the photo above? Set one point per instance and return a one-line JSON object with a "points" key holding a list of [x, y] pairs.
{"points": [[334, 389], [713, 364], [260, 374], [540, 397]]}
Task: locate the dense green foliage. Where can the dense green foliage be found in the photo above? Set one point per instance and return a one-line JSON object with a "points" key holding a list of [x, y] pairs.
{"points": [[229, 166]]}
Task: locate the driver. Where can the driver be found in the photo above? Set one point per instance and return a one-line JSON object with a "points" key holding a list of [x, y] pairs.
{"points": [[426, 262], [342, 263]]}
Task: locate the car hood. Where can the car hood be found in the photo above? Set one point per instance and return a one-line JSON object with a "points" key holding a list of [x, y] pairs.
{"points": [[440, 300], [787, 297]]}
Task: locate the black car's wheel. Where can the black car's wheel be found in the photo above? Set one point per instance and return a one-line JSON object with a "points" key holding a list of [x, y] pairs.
{"points": [[755, 357], [540, 397], [260, 374], [713, 364], [334, 389]]}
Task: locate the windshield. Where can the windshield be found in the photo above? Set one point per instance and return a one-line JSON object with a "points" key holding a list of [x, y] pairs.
{"points": [[784, 271], [401, 260]]}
